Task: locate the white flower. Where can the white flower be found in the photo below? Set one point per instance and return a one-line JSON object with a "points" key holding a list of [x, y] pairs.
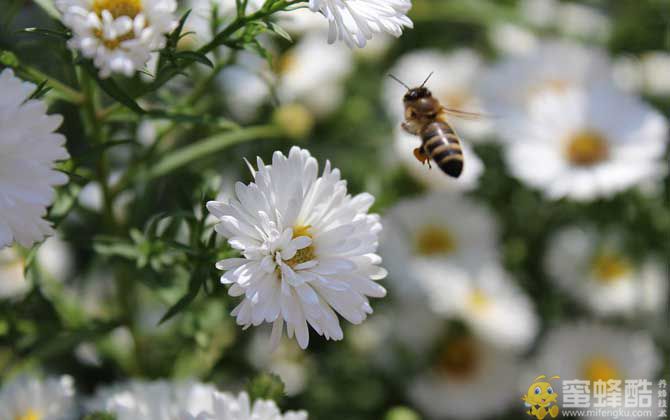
{"points": [[202, 12], [468, 380], [229, 407], [356, 21], [511, 39], [28, 149], [596, 271], [404, 144], [555, 66], [572, 19], [587, 144], [56, 258], [438, 227], [486, 299], [308, 249], [160, 400], [455, 78], [13, 284], [246, 85], [27, 398], [313, 76], [118, 35], [656, 72], [595, 352]]}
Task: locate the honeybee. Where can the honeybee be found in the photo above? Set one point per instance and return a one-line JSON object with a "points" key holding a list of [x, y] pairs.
{"points": [[426, 117]]}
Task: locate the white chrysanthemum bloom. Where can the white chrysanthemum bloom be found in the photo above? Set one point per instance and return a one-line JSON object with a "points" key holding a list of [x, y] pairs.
{"points": [[555, 66], [159, 400], [486, 300], [314, 76], [356, 21], [468, 380], [118, 35], [308, 249], [596, 271], [433, 178], [444, 227], [13, 283], [28, 149], [595, 352], [29, 398], [455, 78], [587, 144], [229, 407]]}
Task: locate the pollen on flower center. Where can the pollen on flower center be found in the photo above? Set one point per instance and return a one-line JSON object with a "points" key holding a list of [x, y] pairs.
{"points": [[305, 254], [478, 300], [435, 240], [586, 148], [608, 267], [460, 357], [600, 368], [118, 8], [29, 415]]}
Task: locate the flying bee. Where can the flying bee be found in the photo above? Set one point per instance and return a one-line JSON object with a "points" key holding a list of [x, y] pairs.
{"points": [[426, 117]]}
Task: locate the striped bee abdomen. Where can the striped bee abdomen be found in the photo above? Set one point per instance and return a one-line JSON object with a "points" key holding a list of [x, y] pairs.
{"points": [[441, 143]]}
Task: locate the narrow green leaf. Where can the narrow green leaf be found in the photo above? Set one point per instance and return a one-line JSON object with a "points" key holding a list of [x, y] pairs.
{"points": [[195, 56], [184, 301], [110, 87], [63, 36], [40, 90], [280, 31]]}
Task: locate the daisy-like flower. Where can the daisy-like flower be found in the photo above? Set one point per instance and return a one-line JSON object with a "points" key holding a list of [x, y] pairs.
{"points": [[13, 283], [356, 21], [438, 227], [596, 352], [486, 300], [29, 398], [554, 67], [596, 270], [28, 149], [118, 35], [160, 400], [308, 249], [586, 144], [229, 407], [455, 86], [468, 379], [312, 76]]}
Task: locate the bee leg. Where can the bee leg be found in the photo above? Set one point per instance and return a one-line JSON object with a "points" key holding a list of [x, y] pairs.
{"points": [[421, 156], [408, 128]]}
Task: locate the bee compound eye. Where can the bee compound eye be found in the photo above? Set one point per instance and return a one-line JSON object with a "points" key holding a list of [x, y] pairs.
{"points": [[538, 391]]}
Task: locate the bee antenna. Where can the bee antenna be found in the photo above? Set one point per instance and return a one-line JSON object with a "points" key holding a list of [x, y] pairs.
{"points": [[427, 78], [399, 81]]}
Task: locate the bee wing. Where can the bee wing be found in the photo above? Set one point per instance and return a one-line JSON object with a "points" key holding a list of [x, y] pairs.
{"points": [[464, 114]]}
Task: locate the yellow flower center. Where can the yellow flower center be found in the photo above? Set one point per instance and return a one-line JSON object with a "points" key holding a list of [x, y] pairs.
{"points": [[478, 300], [460, 358], [433, 240], [586, 148], [29, 415], [286, 63], [600, 368], [118, 8], [608, 268], [302, 255]]}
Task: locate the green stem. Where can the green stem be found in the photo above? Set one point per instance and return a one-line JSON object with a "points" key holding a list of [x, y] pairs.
{"points": [[209, 146], [61, 90]]}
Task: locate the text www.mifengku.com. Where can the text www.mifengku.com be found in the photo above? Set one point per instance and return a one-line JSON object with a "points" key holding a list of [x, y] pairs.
{"points": [[612, 413]]}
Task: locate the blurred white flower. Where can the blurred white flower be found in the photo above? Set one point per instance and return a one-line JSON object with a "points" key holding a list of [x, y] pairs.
{"points": [[554, 66], [486, 299], [308, 249], [404, 144], [55, 257], [579, 20], [118, 35], [314, 76], [159, 400], [356, 21], [229, 407], [511, 39], [468, 380], [656, 72], [12, 282], [202, 13], [29, 398], [539, 12], [627, 73], [596, 271], [437, 227], [246, 85], [28, 149], [586, 144], [454, 81], [287, 361], [595, 352]]}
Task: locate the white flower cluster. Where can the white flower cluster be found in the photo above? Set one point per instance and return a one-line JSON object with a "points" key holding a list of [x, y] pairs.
{"points": [[29, 398], [118, 35], [308, 248]]}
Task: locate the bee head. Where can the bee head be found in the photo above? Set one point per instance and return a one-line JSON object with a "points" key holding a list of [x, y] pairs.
{"points": [[417, 93]]}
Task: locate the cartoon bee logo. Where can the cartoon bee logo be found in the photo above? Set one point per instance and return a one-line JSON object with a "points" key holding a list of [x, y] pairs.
{"points": [[541, 398]]}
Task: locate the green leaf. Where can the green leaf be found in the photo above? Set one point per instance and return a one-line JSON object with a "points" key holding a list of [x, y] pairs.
{"points": [[174, 37], [8, 58], [195, 56], [280, 31], [266, 386], [193, 290], [63, 36], [100, 415], [41, 90], [111, 88]]}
